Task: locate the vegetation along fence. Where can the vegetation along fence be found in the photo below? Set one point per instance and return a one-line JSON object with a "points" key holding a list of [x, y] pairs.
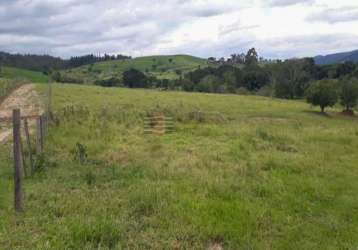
{"points": [[27, 150], [26, 155], [8, 85]]}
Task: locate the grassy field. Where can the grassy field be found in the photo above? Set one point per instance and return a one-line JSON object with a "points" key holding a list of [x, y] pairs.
{"points": [[33, 76], [240, 172], [158, 66]]}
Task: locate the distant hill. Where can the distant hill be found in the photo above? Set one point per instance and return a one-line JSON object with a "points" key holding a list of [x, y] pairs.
{"points": [[33, 76], [43, 63], [337, 58], [32, 62], [168, 67]]}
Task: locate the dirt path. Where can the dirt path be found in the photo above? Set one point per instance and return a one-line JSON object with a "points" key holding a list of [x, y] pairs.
{"points": [[26, 99]]}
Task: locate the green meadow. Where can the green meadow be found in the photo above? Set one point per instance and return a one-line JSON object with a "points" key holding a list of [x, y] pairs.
{"points": [[238, 172], [33, 76]]}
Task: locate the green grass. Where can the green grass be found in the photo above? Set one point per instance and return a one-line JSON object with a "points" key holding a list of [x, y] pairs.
{"points": [[245, 172], [158, 66], [33, 76]]}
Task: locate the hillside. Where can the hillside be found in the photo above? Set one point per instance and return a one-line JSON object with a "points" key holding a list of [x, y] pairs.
{"points": [[33, 76], [337, 58], [168, 67], [238, 172]]}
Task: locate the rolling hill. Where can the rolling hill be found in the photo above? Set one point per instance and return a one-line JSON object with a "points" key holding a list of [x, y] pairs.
{"points": [[33, 76], [337, 58], [169, 67]]}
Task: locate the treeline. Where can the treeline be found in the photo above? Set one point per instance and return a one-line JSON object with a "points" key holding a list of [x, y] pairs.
{"points": [[46, 63], [41, 63], [89, 59], [284, 79]]}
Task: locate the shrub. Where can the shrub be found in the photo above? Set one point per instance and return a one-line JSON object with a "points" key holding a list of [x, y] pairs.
{"points": [[322, 93]]}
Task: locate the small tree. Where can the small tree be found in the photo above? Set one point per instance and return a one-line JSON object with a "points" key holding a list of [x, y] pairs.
{"points": [[349, 94], [322, 93], [251, 57]]}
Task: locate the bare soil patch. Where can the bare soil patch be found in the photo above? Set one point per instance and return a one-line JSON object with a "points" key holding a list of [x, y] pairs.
{"points": [[26, 99]]}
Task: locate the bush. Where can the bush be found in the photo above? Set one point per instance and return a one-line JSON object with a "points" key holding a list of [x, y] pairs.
{"points": [[322, 93]]}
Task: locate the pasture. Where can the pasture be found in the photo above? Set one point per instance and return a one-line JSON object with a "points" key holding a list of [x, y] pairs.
{"points": [[17, 73], [162, 67], [239, 172]]}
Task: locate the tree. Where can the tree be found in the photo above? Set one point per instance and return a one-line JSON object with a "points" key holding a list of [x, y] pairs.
{"points": [[349, 93], [322, 93], [135, 79], [251, 57], [291, 77]]}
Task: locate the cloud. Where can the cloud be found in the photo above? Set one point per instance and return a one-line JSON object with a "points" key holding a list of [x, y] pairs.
{"points": [[284, 3], [68, 27], [335, 15], [200, 27]]}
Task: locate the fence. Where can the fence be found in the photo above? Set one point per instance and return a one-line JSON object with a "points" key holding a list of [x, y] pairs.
{"points": [[158, 123], [24, 164]]}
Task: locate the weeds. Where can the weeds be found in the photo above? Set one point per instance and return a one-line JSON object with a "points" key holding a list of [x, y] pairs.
{"points": [[80, 153]]}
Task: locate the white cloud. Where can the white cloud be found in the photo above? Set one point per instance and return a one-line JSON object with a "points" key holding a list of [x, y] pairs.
{"points": [[278, 28]]}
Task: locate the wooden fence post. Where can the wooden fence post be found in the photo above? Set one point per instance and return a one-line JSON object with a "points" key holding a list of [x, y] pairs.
{"points": [[28, 141], [39, 137], [17, 159], [24, 168]]}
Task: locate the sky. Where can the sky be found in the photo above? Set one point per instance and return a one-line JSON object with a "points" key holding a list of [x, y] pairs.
{"points": [[276, 28]]}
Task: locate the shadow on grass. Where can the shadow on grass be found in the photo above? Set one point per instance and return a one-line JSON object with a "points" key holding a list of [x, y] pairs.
{"points": [[318, 113]]}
